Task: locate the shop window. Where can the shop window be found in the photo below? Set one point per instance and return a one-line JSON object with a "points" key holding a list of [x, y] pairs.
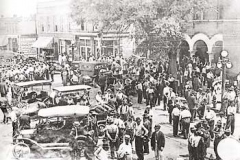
{"points": [[88, 43], [82, 42]]}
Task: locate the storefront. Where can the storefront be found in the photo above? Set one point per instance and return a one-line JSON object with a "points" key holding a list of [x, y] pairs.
{"points": [[13, 43], [25, 45], [45, 47], [3, 42]]}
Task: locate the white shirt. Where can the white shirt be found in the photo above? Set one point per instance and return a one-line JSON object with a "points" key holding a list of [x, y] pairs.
{"points": [[101, 154], [118, 122], [176, 112], [125, 149], [185, 114], [13, 116], [99, 98], [211, 115], [166, 90], [139, 130], [231, 110]]}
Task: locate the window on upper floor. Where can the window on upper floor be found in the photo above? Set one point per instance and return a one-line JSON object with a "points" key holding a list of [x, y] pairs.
{"points": [[199, 15], [56, 28], [220, 12], [42, 28], [82, 26]]}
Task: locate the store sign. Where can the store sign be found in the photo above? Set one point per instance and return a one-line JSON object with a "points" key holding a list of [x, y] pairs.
{"points": [[26, 46]]}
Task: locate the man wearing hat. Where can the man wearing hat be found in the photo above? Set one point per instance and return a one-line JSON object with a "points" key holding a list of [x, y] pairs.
{"points": [[112, 133], [231, 94], [78, 129], [231, 111], [140, 132], [192, 105], [166, 94], [148, 125], [158, 142], [175, 118], [222, 119], [218, 130], [185, 118], [210, 117], [125, 149], [102, 152]]}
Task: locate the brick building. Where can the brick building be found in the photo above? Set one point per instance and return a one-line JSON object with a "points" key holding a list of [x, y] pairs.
{"points": [[60, 34], [215, 30], [17, 34]]}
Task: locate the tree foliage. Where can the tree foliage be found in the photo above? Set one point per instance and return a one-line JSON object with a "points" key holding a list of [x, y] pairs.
{"points": [[160, 23]]}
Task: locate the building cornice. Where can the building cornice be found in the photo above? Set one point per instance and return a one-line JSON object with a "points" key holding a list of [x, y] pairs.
{"points": [[217, 20]]}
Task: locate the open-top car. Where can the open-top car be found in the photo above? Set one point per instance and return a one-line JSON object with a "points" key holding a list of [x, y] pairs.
{"points": [[25, 90], [101, 113], [76, 92], [60, 130]]}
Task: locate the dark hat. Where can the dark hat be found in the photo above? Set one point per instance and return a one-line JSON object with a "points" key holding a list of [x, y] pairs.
{"points": [[138, 118], [157, 126]]}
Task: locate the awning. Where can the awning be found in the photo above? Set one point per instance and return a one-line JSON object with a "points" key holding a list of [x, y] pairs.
{"points": [[3, 40], [43, 42]]}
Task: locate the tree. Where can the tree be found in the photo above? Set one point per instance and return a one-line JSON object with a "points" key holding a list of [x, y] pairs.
{"points": [[159, 23]]}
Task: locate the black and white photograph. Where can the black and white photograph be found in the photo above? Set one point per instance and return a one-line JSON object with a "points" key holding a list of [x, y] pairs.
{"points": [[120, 79]]}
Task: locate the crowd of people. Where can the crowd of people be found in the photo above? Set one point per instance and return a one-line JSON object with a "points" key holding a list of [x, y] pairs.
{"points": [[191, 95]]}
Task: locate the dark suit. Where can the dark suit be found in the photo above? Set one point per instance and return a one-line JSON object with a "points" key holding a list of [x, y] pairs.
{"points": [[160, 140]]}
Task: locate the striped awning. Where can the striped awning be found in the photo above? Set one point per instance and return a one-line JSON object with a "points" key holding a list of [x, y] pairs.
{"points": [[3, 40], [43, 42]]}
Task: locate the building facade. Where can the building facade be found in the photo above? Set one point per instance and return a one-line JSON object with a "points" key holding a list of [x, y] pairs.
{"points": [[80, 41], [17, 34], [215, 30]]}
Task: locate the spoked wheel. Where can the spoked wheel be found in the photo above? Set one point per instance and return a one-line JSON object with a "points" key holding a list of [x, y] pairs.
{"points": [[21, 150], [101, 128]]}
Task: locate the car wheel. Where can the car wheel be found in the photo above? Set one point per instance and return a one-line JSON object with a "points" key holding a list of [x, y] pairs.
{"points": [[21, 150]]}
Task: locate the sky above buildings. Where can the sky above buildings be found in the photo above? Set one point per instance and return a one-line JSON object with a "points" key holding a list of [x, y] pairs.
{"points": [[17, 7]]}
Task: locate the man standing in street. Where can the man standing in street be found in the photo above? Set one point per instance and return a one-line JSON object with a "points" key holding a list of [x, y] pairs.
{"points": [[158, 142], [112, 133], [231, 111], [210, 117], [218, 130], [102, 81], [185, 117], [139, 89], [140, 132], [166, 93], [175, 119], [191, 104]]}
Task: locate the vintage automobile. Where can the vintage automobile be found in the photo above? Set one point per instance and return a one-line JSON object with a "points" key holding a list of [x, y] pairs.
{"points": [[89, 70], [57, 92], [24, 90], [51, 136], [101, 113]]}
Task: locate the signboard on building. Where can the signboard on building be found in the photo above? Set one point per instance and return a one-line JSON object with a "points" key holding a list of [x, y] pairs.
{"points": [[26, 46]]}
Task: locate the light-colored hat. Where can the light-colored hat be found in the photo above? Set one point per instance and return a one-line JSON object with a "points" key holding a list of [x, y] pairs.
{"points": [[76, 123], [127, 136]]}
